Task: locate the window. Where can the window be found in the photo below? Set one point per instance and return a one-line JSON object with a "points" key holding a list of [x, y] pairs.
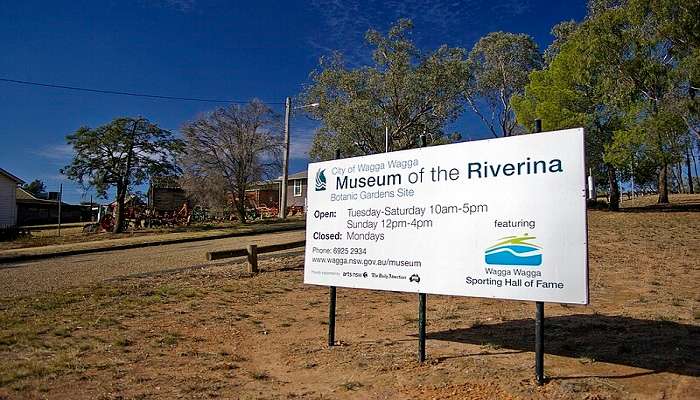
{"points": [[297, 187]]}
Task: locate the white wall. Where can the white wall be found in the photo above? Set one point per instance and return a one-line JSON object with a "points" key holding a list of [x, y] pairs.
{"points": [[8, 201]]}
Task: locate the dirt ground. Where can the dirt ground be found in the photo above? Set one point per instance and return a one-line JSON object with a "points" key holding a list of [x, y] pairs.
{"points": [[217, 333]]}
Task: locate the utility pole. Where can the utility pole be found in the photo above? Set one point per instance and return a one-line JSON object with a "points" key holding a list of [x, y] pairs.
{"points": [[60, 200], [285, 166]]}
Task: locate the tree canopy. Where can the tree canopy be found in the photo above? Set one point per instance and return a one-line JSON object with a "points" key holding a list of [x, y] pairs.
{"points": [[230, 149], [36, 188], [124, 153], [405, 91], [498, 69], [625, 73]]}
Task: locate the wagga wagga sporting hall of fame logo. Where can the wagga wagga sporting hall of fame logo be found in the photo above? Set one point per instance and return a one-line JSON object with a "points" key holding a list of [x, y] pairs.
{"points": [[320, 180], [514, 250]]}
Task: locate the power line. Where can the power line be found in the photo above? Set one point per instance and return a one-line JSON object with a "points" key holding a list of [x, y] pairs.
{"points": [[121, 93]]}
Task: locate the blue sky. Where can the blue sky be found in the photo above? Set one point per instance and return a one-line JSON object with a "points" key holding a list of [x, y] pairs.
{"points": [[206, 49]]}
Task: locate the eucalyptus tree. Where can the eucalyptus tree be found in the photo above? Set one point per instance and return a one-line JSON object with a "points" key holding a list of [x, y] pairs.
{"points": [[405, 93], [626, 73], [571, 92], [498, 68], [120, 155], [561, 32], [654, 50]]}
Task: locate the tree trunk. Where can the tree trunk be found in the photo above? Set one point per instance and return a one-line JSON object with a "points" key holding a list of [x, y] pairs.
{"points": [[695, 164], [614, 189], [119, 210], [121, 193], [691, 190], [240, 207], [674, 179], [663, 184]]}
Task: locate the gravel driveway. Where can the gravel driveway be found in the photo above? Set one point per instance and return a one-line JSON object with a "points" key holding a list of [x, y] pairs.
{"points": [[24, 278]]}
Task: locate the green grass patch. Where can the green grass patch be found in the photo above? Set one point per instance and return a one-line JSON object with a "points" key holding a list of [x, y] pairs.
{"points": [[62, 331], [170, 339], [55, 301]]}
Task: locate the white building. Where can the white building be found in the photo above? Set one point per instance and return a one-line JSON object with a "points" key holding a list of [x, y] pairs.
{"points": [[8, 199]]}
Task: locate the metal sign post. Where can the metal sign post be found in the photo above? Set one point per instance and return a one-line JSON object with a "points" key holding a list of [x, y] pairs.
{"points": [[331, 300], [539, 342], [421, 326], [421, 299], [539, 318], [331, 318]]}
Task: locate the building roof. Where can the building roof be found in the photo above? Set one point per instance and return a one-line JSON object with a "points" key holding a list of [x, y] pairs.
{"points": [[25, 197], [10, 176], [298, 175]]}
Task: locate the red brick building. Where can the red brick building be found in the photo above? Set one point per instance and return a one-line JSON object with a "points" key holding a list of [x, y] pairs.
{"points": [[267, 194]]}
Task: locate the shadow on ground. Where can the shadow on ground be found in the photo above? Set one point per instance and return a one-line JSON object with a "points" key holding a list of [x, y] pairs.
{"points": [[663, 208], [654, 345]]}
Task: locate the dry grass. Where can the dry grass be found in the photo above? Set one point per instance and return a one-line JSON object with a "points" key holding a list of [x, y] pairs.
{"points": [[651, 200], [217, 332]]}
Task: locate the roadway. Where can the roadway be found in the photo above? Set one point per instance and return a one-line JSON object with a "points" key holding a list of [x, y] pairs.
{"points": [[28, 277]]}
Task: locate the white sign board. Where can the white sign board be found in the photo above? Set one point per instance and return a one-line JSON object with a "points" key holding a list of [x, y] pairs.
{"points": [[502, 218]]}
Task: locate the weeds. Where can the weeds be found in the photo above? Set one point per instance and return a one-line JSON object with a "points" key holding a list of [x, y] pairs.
{"points": [[586, 359], [62, 332], [665, 318], [123, 342], [491, 346], [409, 318], [349, 386], [450, 313], [170, 339], [260, 375], [238, 358], [54, 301]]}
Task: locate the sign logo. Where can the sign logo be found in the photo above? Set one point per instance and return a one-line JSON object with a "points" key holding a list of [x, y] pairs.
{"points": [[514, 250], [320, 180]]}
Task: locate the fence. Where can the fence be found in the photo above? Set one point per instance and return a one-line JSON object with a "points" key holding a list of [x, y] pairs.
{"points": [[10, 232]]}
